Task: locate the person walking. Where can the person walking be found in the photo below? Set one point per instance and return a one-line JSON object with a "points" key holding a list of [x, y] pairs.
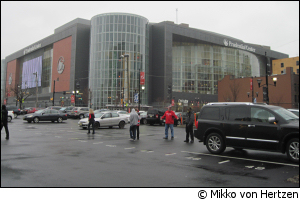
{"points": [[170, 116], [138, 127], [4, 116], [91, 121], [134, 118], [189, 125]]}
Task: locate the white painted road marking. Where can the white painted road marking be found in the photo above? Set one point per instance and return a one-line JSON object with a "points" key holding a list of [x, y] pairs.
{"points": [[170, 154], [111, 145], [98, 143], [130, 148], [241, 158], [225, 161]]}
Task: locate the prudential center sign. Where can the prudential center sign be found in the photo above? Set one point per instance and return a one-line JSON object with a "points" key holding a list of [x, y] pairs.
{"points": [[228, 43]]}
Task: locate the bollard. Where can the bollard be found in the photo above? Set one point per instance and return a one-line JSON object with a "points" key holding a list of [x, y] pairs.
{"points": [[195, 117]]}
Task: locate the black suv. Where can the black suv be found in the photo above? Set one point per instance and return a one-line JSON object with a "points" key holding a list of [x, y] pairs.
{"points": [[154, 116], [249, 126], [16, 110]]}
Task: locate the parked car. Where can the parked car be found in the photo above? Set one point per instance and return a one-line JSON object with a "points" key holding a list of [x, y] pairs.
{"points": [[10, 115], [123, 113], [26, 110], [78, 112], [95, 111], [54, 107], [154, 116], [248, 126], [295, 111], [32, 110], [45, 115], [67, 110], [180, 115], [105, 119], [143, 116], [16, 110]]}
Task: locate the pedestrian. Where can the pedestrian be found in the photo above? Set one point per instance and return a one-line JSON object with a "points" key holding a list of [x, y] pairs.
{"points": [[189, 125], [170, 116], [91, 121], [134, 118], [138, 127], [4, 116]]}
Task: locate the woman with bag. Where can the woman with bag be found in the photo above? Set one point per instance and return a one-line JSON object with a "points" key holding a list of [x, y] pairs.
{"points": [[91, 121]]}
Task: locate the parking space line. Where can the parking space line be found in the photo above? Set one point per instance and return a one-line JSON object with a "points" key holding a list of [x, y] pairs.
{"points": [[111, 145], [242, 158], [98, 143], [130, 148], [225, 161], [170, 154]]}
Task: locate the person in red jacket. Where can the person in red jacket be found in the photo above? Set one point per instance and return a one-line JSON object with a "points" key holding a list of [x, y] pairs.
{"points": [[170, 116]]}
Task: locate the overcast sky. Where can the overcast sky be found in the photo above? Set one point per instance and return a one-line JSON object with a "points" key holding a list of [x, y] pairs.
{"points": [[274, 24]]}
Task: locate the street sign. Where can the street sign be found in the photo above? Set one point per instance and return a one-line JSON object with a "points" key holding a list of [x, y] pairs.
{"points": [[136, 98], [73, 99]]}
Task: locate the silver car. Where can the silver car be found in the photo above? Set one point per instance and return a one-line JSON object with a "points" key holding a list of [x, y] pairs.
{"points": [[105, 119]]}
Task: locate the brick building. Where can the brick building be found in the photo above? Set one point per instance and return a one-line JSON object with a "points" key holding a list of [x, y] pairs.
{"points": [[285, 94]]}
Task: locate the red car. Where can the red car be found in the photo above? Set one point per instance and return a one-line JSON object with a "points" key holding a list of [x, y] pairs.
{"points": [[32, 110]]}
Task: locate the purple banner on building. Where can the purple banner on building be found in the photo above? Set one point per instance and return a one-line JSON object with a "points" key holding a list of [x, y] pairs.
{"points": [[30, 67]]}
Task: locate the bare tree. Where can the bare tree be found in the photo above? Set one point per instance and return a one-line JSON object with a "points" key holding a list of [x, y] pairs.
{"points": [[235, 90], [21, 94]]}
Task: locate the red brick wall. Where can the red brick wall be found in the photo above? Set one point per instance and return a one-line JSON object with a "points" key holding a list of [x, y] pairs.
{"points": [[62, 48], [280, 95], [13, 67]]}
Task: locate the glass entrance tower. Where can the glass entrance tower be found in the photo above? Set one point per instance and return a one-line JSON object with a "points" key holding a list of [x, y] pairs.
{"points": [[113, 35]]}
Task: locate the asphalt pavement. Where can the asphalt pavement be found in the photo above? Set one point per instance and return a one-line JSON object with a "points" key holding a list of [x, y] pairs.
{"points": [[62, 155]]}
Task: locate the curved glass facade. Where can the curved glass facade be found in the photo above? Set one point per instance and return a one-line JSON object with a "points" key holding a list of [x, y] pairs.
{"points": [[197, 68], [113, 35]]}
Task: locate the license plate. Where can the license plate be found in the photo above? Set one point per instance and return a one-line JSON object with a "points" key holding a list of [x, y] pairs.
{"points": [[150, 115]]}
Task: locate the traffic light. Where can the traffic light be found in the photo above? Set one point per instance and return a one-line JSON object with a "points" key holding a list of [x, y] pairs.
{"points": [[169, 89]]}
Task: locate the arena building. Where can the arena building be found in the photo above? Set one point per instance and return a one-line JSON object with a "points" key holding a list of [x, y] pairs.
{"points": [[109, 58]]}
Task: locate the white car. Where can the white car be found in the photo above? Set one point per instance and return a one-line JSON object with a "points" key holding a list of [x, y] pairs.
{"points": [[105, 119], [295, 111], [123, 113], [10, 115]]}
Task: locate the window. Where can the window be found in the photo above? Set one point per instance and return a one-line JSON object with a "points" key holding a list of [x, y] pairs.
{"points": [[282, 64], [114, 115], [210, 113], [107, 115], [260, 115], [297, 62], [297, 71], [237, 114]]}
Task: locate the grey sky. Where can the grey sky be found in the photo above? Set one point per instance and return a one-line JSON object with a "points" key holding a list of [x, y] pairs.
{"points": [[274, 24]]}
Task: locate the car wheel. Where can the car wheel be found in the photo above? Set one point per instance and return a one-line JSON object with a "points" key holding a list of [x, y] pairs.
{"points": [[59, 120], [15, 115], [36, 120], [292, 149], [9, 118], [144, 121], [97, 125], [121, 125], [80, 116], [215, 143]]}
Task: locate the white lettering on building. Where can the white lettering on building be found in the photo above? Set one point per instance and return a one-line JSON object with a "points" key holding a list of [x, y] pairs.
{"points": [[30, 49], [236, 45]]}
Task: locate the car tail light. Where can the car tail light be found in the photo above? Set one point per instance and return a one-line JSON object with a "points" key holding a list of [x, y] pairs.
{"points": [[13, 112], [196, 124], [19, 109], [156, 116], [76, 111]]}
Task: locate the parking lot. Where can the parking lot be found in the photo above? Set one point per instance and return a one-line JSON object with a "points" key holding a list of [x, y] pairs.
{"points": [[49, 154]]}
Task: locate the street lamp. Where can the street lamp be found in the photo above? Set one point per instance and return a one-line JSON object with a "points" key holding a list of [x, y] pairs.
{"points": [[127, 56], [36, 82]]}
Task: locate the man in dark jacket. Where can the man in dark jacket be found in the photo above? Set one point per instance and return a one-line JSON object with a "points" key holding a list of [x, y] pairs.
{"points": [[4, 115], [189, 125]]}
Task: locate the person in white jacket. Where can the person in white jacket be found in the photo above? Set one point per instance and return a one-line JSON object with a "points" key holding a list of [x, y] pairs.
{"points": [[134, 118]]}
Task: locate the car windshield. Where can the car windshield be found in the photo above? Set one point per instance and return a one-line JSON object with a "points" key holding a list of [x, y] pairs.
{"points": [[287, 115], [39, 111], [98, 115]]}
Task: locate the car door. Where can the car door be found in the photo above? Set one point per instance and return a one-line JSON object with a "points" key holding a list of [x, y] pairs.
{"points": [[115, 118], [261, 133], [53, 115], [237, 125], [45, 116], [105, 120]]}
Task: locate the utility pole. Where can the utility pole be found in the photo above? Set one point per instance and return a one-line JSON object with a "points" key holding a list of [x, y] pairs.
{"points": [[53, 93], [36, 82], [139, 87]]}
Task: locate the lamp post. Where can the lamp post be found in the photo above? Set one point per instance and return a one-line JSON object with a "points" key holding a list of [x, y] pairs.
{"points": [[139, 87], [266, 92], [36, 82], [127, 69]]}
